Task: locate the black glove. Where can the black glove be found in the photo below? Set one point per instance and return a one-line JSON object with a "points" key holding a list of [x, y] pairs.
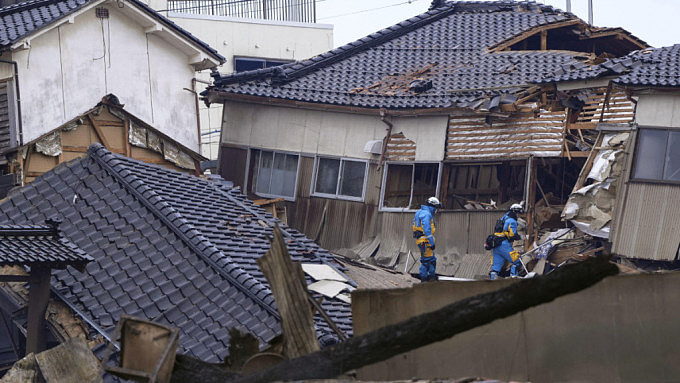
{"points": [[432, 247], [516, 237]]}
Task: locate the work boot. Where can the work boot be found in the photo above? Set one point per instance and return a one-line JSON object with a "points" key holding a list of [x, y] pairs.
{"points": [[493, 275]]}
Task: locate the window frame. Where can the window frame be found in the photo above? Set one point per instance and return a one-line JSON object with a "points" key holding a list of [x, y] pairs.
{"points": [[314, 193], [634, 162], [265, 62], [382, 207], [250, 188]]}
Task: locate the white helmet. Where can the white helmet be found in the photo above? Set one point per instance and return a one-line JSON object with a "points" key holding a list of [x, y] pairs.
{"points": [[517, 207], [433, 201]]}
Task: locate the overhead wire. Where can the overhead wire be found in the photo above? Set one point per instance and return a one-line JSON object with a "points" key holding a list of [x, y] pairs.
{"points": [[368, 10]]}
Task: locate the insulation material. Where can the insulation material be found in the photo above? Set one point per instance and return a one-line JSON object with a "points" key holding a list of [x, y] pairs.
{"points": [[320, 272], [49, 145], [473, 137], [590, 208], [154, 142], [329, 288], [137, 135]]}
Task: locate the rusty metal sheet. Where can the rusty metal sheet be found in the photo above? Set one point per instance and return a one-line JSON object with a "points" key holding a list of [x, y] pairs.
{"points": [[137, 135], [154, 142], [49, 145], [470, 137]]}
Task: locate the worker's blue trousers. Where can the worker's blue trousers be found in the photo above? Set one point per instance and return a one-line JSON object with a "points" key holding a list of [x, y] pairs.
{"points": [[502, 254], [428, 265]]}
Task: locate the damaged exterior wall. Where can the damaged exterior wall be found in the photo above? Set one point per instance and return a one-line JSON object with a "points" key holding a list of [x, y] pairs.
{"points": [[72, 140], [68, 68], [633, 338], [647, 220], [324, 132]]}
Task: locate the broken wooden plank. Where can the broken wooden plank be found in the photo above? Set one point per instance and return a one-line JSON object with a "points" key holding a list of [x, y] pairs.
{"points": [[70, 362], [438, 325], [287, 282]]}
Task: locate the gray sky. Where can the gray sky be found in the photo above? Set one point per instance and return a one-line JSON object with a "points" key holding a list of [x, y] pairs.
{"points": [[657, 22]]}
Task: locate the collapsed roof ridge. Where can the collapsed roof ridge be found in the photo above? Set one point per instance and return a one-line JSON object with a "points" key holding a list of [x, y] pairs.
{"points": [[192, 237]]}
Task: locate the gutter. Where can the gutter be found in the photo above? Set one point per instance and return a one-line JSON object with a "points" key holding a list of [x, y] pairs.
{"points": [[20, 139]]}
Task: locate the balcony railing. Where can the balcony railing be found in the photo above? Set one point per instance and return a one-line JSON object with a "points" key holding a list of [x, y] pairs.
{"points": [[283, 10]]}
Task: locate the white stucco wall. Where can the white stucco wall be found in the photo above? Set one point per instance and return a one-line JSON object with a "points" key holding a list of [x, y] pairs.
{"points": [[328, 133], [68, 69], [658, 110], [247, 38]]}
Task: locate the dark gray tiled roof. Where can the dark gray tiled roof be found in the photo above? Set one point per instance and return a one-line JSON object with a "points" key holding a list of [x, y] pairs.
{"points": [[657, 67], [167, 246], [39, 245], [450, 41], [21, 19]]}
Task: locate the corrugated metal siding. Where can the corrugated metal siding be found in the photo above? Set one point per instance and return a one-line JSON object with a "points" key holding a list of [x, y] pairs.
{"points": [[5, 135], [460, 238], [469, 137], [346, 224], [649, 225]]}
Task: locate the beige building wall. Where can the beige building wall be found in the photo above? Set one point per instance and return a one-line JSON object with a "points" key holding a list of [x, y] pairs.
{"points": [[233, 36], [327, 133], [623, 329]]}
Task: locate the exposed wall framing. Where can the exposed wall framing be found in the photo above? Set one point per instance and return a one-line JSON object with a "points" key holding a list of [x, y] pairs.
{"points": [[109, 125]]}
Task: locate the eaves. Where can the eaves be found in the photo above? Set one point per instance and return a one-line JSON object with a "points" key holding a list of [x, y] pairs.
{"points": [[222, 97]]}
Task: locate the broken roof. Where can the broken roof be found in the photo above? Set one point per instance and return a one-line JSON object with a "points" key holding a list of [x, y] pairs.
{"points": [[39, 245], [168, 247], [656, 67], [451, 56], [22, 19]]}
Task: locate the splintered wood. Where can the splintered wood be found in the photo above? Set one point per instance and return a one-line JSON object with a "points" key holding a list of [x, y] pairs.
{"points": [[287, 282]]}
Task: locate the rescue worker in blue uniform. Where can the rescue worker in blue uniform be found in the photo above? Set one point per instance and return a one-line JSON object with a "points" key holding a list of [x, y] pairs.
{"points": [[505, 252], [423, 232]]}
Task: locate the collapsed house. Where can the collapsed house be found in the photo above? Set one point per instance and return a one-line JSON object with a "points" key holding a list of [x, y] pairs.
{"points": [[59, 58], [168, 247], [445, 104], [629, 191]]}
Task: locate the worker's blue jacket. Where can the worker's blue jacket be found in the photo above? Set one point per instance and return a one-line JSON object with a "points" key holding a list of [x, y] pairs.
{"points": [[424, 222]]}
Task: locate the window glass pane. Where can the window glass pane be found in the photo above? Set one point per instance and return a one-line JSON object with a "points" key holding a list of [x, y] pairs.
{"points": [[671, 170], [327, 176], [264, 173], [352, 183], [246, 64], [283, 175], [424, 183], [398, 185], [649, 158]]}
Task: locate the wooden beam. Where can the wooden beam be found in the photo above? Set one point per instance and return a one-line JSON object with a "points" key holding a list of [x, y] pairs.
{"points": [[38, 297], [99, 132], [128, 149], [544, 40], [287, 282], [525, 35], [14, 278]]}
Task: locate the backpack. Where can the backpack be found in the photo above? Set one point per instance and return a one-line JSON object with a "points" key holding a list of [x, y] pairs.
{"points": [[493, 241], [500, 224]]}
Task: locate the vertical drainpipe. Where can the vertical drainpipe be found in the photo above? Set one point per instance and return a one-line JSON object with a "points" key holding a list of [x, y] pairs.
{"points": [[18, 99], [590, 12], [383, 118]]}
